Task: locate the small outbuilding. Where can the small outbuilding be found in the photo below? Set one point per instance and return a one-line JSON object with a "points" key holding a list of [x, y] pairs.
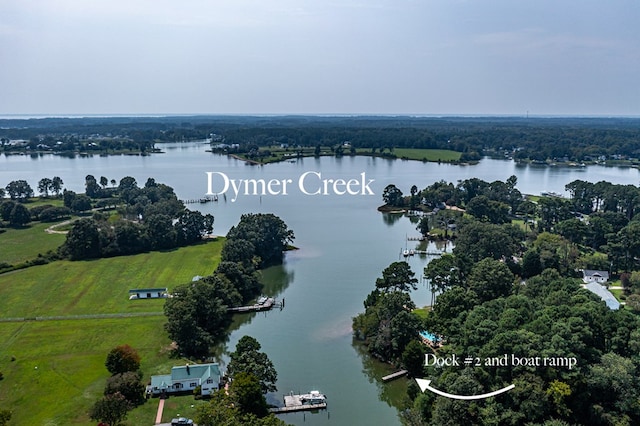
{"points": [[148, 293]]}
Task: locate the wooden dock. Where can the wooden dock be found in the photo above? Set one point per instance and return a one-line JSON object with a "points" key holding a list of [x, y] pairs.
{"points": [[265, 305], [395, 375], [202, 200], [429, 253], [294, 403]]}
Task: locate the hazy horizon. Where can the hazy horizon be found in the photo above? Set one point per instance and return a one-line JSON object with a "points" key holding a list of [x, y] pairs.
{"points": [[292, 57]]}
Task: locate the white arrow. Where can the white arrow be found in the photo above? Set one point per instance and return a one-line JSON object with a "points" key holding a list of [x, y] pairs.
{"points": [[426, 384]]}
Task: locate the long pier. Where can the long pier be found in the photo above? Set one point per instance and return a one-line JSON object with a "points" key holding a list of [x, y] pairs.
{"points": [[395, 375], [430, 253], [265, 305], [412, 252], [203, 200], [301, 407]]}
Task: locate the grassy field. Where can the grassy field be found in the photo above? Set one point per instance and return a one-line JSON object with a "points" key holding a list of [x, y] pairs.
{"points": [[20, 245], [422, 312], [39, 201], [101, 286], [427, 154], [282, 154], [54, 370]]}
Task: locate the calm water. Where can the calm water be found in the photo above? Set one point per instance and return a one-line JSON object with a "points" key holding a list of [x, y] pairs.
{"points": [[344, 245]]}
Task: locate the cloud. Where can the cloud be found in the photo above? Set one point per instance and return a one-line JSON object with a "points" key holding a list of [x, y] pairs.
{"points": [[541, 41]]}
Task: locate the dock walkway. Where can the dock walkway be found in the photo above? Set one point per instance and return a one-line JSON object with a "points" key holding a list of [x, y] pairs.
{"points": [[265, 305]]}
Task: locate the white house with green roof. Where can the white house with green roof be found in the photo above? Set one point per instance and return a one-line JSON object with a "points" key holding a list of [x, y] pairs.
{"points": [[186, 378]]}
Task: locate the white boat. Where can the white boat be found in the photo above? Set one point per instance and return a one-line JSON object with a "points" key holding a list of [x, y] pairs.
{"points": [[313, 397], [405, 252]]}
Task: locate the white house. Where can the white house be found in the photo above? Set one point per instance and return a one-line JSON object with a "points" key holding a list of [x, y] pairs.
{"points": [[148, 293], [591, 276], [186, 378]]}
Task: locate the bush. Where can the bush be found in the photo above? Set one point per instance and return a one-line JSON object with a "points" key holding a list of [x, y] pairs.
{"points": [[121, 359], [128, 385], [54, 213]]}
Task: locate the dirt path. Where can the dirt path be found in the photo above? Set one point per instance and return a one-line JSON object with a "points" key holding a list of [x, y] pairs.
{"points": [[52, 228]]}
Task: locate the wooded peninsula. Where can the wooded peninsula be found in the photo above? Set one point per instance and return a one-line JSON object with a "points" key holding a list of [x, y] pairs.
{"points": [[542, 140]]}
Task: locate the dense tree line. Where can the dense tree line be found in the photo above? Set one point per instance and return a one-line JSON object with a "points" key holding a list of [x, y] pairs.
{"points": [[197, 314], [537, 139], [151, 218], [596, 218], [252, 375], [486, 316], [388, 325], [486, 310], [124, 390], [512, 289]]}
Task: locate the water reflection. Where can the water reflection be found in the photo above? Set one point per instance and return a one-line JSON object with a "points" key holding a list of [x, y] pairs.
{"points": [[276, 279], [391, 218], [394, 393]]}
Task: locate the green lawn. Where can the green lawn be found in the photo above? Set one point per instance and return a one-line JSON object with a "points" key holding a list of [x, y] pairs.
{"points": [[39, 201], [618, 293], [70, 354], [102, 286], [18, 245], [173, 406], [422, 312], [427, 154], [281, 154]]}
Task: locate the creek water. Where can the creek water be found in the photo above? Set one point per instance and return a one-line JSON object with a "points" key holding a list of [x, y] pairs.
{"points": [[344, 243]]}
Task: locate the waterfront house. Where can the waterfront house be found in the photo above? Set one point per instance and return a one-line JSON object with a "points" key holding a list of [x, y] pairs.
{"points": [[186, 378], [592, 276]]}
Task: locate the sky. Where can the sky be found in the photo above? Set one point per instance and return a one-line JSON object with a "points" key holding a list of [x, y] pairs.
{"points": [[398, 57]]}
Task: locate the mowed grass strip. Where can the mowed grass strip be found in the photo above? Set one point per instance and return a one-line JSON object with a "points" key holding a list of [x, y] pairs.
{"points": [[18, 245], [102, 285], [427, 154], [419, 154]]}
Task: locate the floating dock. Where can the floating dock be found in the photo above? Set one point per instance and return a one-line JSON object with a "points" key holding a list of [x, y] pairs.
{"points": [[300, 403], [395, 375]]}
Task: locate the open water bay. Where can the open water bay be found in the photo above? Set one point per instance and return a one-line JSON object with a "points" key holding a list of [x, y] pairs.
{"points": [[344, 244]]}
